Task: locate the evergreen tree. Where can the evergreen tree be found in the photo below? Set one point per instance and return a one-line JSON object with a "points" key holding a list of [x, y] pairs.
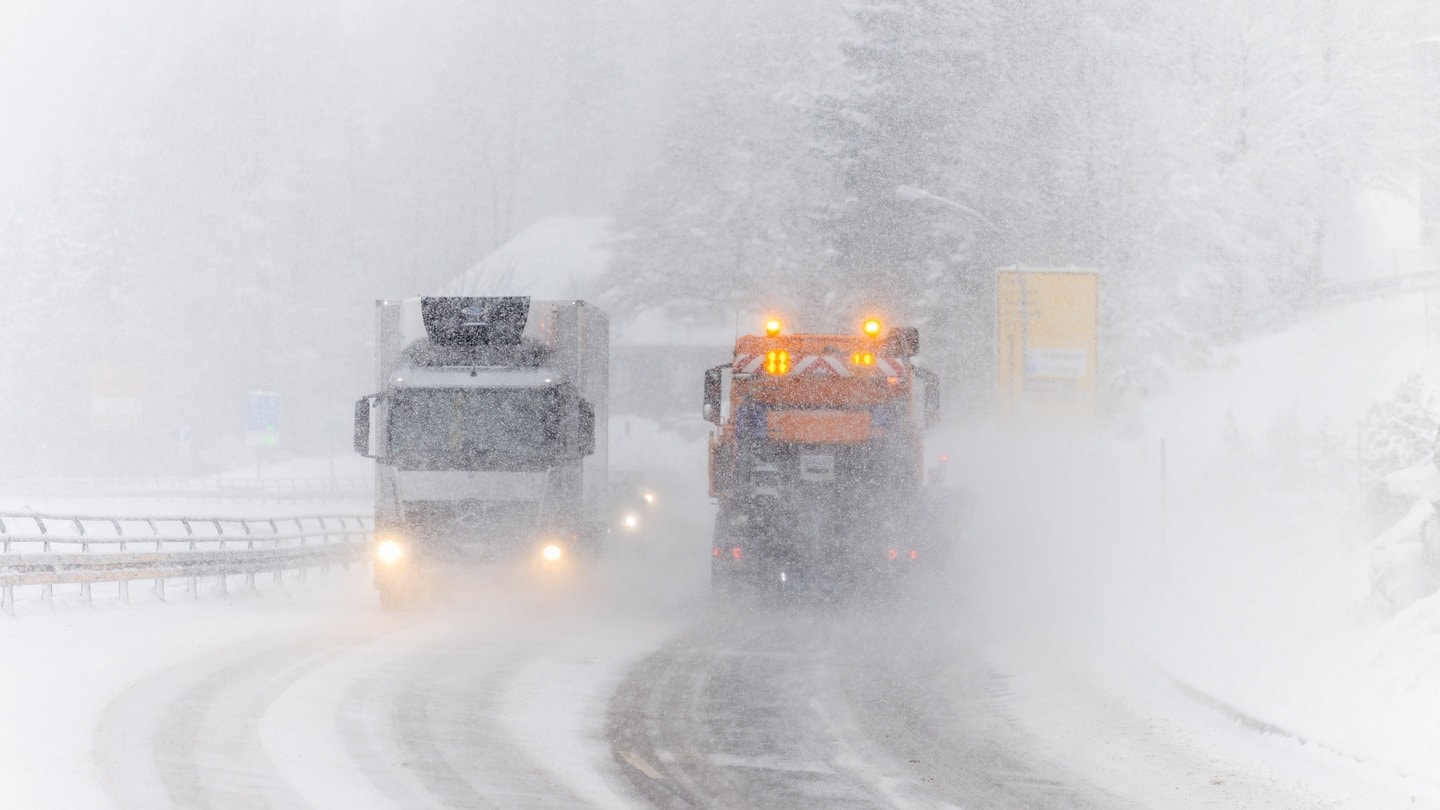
{"points": [[1400, 431], [901, 122], [725, 215]]}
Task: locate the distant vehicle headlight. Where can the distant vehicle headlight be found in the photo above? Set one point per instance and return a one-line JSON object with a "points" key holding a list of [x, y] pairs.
{"points": [[389, 551], [632, 521], [552, 553], [650, 498]]}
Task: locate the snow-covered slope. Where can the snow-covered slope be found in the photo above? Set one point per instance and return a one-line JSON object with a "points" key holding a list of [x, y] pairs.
{"points": [[1242, 544], [1291, 593]]}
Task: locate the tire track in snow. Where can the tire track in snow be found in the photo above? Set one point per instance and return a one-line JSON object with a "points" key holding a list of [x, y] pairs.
{"points": [[188, 737], [796, 709], [501, 706]]}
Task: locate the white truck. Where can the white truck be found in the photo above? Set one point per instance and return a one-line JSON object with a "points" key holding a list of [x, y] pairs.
{"points": [[488, 434]]}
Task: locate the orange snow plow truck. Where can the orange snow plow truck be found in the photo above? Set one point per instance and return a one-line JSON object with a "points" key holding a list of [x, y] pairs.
{"points": [[817, 462]]}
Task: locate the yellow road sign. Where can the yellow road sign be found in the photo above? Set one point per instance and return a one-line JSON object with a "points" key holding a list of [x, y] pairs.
{"points": [[1047, 349]]}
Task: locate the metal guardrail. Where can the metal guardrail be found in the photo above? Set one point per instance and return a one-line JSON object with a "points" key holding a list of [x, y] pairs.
{"points": [[220, 488], [174, 547], [1350, 291]]}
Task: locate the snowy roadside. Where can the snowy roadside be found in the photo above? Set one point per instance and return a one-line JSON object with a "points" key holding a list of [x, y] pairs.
{"points": [[1124, 724], [1171, 658], [64, 666], [1275, 603], [1216, 575], [61, 668]]}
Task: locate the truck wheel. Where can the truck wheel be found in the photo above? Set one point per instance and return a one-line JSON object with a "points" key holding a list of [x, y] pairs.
{"points": [[722, 573], [723, 580], [396, 592], [390, 600]]}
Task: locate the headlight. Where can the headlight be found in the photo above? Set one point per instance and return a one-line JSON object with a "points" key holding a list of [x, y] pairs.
{"points": [[552, 553], [650, 498], [631, 521], [389, 551]]}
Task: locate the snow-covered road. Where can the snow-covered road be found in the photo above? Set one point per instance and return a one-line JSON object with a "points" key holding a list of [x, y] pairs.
{"points": [[798, 707], [812, 707], [1023, 679], [311, 697], [494, 702]]}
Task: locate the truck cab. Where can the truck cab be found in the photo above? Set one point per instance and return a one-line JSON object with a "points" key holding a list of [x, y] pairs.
{"points": [[816, 459], [484, 434]]}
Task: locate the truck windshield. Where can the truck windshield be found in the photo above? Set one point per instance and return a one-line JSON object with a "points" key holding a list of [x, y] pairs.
{"points": [[471, 429]]}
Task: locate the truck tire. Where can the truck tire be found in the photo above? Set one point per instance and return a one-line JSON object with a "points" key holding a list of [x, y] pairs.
{"points": [[392, 600], [722, 579], [725, 580], [396, 592]]}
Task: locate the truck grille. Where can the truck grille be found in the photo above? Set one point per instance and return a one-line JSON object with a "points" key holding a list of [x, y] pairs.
{"points": [[472, 530]]}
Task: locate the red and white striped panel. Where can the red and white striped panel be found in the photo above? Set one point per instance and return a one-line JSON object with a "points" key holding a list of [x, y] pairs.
{"points": [[821, 365], [890, 367], [748, 363]]}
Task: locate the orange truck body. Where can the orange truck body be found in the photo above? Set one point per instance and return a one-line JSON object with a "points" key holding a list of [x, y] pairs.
{"points": [[816, 426], [826, 394]]}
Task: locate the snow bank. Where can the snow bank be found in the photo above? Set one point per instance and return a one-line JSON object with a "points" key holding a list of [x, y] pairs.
{"points": [[64, 666], [1278, 590], [1237, 542]]}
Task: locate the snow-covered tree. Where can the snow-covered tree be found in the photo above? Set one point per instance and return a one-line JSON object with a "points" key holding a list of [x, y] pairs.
{"points": [[1400, 431], [899, 122], [726, 212]]}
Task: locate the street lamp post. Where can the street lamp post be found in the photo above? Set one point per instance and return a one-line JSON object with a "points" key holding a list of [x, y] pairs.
{"points": [[913, 194]]}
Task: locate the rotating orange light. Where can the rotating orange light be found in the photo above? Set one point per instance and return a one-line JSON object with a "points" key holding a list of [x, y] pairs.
{"points": [[772, 327], [871, 327]]}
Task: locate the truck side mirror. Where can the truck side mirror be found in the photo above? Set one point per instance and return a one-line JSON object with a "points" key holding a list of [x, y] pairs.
{"points": [[362, 427], [587, 428], [903, 341], [711, 409], [931, 404]]}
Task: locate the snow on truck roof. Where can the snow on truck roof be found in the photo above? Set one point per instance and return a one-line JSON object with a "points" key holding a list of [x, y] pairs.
{"points": [[558, 258], [567, 258]]}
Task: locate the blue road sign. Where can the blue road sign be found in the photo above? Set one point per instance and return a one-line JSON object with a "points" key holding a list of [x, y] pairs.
{"points": [[262, 418]]}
